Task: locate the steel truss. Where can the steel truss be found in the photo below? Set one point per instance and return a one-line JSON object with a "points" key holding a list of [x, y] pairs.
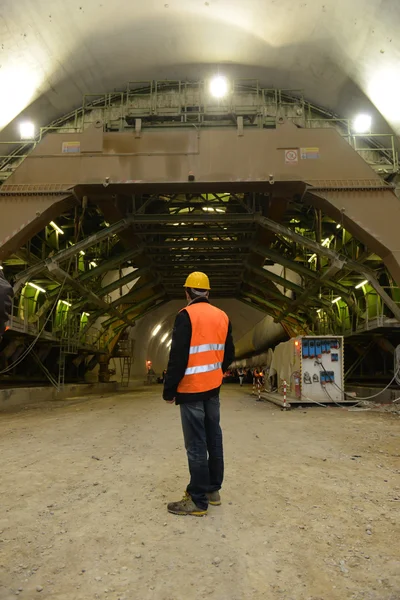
{"points": [[239, 247]]}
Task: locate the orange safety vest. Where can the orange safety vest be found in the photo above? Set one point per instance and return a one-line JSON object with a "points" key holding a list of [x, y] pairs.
{"points": [[207, 348]]}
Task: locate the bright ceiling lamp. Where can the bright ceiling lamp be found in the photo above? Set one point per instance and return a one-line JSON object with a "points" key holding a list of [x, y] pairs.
{"points": [[336, 300], [156, 330], [219, 86], [27, 130], [1, 267], [36, 287], [93, 264], [360, 285], [56, 227], [169, 344], [208, 209], [66, 303], [362, 124], [164, 337]]}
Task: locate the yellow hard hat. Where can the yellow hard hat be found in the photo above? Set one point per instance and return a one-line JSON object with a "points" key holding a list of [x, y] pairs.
{"points": [[198, 280]]}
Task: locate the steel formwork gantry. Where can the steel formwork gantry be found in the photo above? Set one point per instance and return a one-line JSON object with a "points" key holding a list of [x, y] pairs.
{"points": [[157, 206]]}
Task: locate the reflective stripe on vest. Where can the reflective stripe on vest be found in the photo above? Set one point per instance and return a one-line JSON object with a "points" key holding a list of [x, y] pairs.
{"points": [[207, 346], [203, 369]]}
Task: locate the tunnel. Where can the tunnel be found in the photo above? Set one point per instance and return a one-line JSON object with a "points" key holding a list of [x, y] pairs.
{"points": [[255, 142]]}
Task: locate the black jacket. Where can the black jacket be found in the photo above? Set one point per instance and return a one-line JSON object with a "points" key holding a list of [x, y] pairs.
{"points": [[179, 357], [6, 294]]}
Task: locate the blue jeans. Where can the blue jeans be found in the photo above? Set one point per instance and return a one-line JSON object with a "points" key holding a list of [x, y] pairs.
{"points": [[203, 443]]}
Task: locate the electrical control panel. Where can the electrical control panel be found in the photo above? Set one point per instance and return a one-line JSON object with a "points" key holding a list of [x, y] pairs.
{"points": [[321, 368]]}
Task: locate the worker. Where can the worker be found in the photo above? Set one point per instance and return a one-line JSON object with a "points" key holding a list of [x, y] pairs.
{"points": [[6, 294], [258, 380], [151, 374], [201, 351], [241, 376]]}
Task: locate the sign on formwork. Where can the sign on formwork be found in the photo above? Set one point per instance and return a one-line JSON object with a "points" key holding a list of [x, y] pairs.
{"points": [[291, 157], [71, 147], [309, 153]]}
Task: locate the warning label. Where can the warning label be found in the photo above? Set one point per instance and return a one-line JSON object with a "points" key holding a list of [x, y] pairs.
{"points": [[291, 157], [71, 147], [309, 153]]}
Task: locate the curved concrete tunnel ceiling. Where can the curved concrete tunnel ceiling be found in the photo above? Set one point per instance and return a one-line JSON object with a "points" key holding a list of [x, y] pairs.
{"points": [[344, 55]]}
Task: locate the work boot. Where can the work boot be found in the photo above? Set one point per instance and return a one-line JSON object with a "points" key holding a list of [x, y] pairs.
{"points": [[186, 506], [214, 498]]}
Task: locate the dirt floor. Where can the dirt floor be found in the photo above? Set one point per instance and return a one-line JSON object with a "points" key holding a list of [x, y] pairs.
{"points": [[310, 505]]}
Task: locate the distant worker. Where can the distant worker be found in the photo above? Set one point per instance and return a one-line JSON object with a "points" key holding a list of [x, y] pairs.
{"points": [[6, 295], [255, 375], [201, 351], [151, 374], [241, 377]]}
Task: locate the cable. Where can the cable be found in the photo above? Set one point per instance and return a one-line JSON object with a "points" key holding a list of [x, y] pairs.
{"points": [[45, 370], [315, 402], [33, 344], [342, 391], [366, 397], [330, 397]]}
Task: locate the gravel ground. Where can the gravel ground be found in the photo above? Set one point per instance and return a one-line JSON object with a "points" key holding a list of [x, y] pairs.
{"points": [[310, 504]]}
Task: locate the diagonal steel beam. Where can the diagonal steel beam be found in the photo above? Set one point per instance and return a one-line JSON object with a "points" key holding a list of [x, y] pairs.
{"points": [[272, 305], [284, 300], [270, 291], [275, 278], [333, 256], [285, 283], [113, 286], [111, 263], [131, 309], [123, 281], [127, 298], [278, 258], [64, 255], [257, 303], [144, 313], [306, 296], [105, 266], [297, 267], [63, 276]]}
